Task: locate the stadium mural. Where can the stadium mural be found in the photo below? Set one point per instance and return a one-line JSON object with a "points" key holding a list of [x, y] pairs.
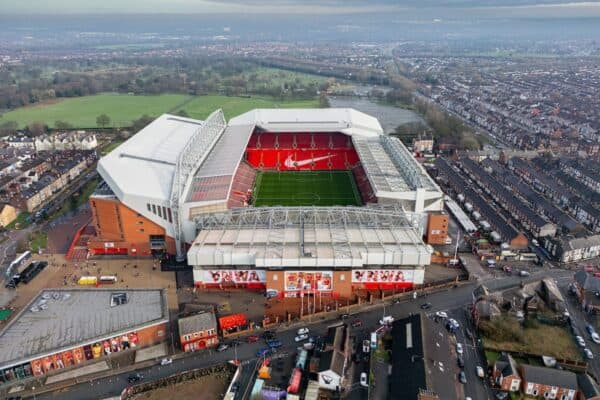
{"points": [[383, 278], [227, 277], [301, 280]]}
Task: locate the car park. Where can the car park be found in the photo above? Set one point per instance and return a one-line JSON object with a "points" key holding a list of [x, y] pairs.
{"points": [[364, 382], [588, 353], [302, 331], [302, 337], [425, 306], [459, 348], [462, 377], [222, 347], [356, 323]]}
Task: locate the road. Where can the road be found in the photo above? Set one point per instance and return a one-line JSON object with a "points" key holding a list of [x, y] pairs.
{"points": [[451, 299]]}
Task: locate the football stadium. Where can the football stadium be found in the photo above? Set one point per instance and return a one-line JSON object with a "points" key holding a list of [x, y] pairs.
{"points": [[278, 199]]}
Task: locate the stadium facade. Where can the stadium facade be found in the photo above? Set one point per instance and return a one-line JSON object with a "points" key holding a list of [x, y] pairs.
{"points": [[350, 211]]}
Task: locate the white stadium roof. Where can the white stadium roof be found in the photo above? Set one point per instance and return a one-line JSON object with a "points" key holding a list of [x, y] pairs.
{"points": [[308, 237], [144, 164], [345, 120]]}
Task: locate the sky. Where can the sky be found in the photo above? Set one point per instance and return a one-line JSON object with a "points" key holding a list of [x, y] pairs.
{"points": [[417, 8]]}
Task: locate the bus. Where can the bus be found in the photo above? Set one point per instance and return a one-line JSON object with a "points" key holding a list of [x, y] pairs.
{"points": [[32, 271]]}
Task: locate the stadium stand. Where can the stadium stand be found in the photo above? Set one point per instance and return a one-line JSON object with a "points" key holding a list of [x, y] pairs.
{"points": [[241, 189], [301, 151], [364, 187], [210, 188]]}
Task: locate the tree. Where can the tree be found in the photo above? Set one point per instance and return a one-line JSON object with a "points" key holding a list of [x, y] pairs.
{"points": [[37, 128], [9, 128], [62, 125], [323, 100], [140, 123], [103, 120]]}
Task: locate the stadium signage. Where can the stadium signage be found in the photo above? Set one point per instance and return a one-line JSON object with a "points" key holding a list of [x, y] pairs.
{"points": [[313, 280], [383, 278], [228, 276]]}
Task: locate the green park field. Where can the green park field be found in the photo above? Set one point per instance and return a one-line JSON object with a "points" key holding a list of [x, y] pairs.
{"points": [[306, 188], [81, 112]]}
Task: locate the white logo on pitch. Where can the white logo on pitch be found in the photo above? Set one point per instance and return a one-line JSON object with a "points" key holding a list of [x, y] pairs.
{"points": [[290, 163]]}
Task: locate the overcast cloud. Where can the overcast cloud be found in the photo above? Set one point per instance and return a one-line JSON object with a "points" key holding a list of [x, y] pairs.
{"points": [[444, 8]]}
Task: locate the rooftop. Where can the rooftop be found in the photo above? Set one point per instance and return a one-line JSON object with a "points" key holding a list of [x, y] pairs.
{"points": [[197, 323], [307, 236], [549, 376], [60, 319]]}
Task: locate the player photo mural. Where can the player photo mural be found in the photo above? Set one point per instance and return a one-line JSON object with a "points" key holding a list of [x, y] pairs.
{"points": [[232, 276], [382, 278], [308, 281]]}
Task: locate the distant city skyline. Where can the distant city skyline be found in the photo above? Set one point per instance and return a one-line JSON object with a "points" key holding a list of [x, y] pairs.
{"points": [[439, 9]]}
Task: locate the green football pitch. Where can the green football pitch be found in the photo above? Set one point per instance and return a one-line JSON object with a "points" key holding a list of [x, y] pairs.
{"points": [[306, 188]]}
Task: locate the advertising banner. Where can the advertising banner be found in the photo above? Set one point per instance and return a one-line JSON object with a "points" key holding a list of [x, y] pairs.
{"points": [[313, 280], [383, 278], [233, 276]]}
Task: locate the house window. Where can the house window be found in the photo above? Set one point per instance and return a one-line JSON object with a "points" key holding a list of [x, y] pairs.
{"points": [[164, 212], [275, 277], [170, 216], [153, 209], [159, 212], [342, 277], [148, 206]]}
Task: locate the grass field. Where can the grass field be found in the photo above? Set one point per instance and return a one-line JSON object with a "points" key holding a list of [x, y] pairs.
{"points": [[306, 188], [201, 107], [122, 109], [81, 112]]}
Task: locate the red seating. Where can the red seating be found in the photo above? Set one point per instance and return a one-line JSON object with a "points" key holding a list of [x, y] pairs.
{"points": [[303, 140], [241, 189], [321, 140], [364, 186], [285, 141], [301, 151]]}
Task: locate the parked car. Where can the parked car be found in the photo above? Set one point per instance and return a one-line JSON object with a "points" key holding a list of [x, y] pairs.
{"points": [[300, 338], [366, 346], [524, 273], [441, 314], [345, 316], [461, 362], [274, 344], [387, 320], [262, 352], [302, 331], [268, 335], [480, 372], [462, 377], [580, 341], [166, 361], [222, 347], [507, 269], [364, 382], [356, 323], [590, 329], [588, 353], [595, 337], [459, 348], [308, 346], [252, 339], [137, 377], [425, 306]]}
